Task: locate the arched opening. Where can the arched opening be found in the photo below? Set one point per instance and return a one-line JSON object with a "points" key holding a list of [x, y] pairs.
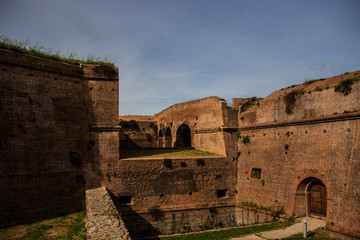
{"points": [[317, 198], [167, 140], [183, 136], [161, 138], [310, 198]]}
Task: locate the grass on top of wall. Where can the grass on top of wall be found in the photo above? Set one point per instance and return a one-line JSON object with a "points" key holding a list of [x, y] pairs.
{"points": [[65, 227], [35, 49], [163, 153]]}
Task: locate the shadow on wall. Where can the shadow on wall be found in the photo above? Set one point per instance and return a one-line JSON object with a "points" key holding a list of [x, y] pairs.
{"points": [[137, 226], [148, 152]]}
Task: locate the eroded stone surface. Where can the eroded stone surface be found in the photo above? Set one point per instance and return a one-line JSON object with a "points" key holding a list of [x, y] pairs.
{"points": [[102, 219]]}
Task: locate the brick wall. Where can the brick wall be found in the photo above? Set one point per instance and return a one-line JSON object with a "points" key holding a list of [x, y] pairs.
{"points": [[46, 112]]}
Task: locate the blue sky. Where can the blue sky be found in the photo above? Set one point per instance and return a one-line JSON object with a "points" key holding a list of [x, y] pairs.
{"points": [[171, 51]]}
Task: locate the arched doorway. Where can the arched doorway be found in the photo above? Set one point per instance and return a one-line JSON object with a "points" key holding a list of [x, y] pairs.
{"points": [[183, 136], [317, 198], [167, 139], [161, 140], [310, 197]]}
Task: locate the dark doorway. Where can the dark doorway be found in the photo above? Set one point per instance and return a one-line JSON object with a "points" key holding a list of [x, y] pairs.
{"points": [[183, 136], [167, 139], [317, 198]]}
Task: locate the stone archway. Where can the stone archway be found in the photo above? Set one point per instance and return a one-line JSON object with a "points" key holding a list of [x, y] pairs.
{"points": [[183, 136], [167, 139], [311, 197]]}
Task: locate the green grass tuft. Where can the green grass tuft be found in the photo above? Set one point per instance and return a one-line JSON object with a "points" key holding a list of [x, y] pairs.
{"points": [[40, 51]]}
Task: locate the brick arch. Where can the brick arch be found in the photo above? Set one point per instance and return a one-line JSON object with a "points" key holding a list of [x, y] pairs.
{"points": [[183, 136], [302, 202]]}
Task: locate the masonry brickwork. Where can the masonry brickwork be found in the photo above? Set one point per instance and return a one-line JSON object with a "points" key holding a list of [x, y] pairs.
{"points": [[61, 134], [47, 117]]}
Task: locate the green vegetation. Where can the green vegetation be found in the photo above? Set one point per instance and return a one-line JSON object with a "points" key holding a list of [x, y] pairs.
{"points": [[41, 51], [286, 146], [246, 139], [65, 227], [308, 82], [345, 86], [156, 213], [290, 99], [237, 156], [234, 232], [106, 69], [132, 124], [238, 134], [318, 89], [250, 103], [164, 153]]}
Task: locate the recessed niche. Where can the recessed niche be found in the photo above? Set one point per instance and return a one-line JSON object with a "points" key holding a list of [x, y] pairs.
{"points": [[162, 195], [125, 200], [221, 193], [256, 173]]}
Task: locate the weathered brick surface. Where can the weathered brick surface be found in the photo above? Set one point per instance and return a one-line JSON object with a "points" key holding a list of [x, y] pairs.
{"points": [[47, 116], [145, 135], [320, 144], [102, 219], [189, 182], [204, 117]]}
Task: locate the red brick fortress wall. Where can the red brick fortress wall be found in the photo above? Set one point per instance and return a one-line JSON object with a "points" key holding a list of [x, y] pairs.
{"points": [[47, 115], [318, 141]]}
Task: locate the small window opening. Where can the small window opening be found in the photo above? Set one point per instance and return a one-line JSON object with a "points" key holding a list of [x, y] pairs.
{"points": [[256, 173], [190, 193], [125, 200], [221, 193], [162, 195]]}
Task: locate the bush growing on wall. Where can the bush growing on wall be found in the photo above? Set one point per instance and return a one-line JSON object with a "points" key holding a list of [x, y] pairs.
{"points": [[290, 99]]}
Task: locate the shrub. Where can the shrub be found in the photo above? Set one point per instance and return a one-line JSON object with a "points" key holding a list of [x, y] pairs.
{"points": [[237, 156], [133, 125], [318, 88], [246, 139], [286, 146], [156, 213], [238, 134], [124, 124], [345, 86], [290, 99], [106, 69]]}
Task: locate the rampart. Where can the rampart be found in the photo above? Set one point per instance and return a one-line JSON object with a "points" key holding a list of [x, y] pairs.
{"points": [[295, 152], [48, 116]]}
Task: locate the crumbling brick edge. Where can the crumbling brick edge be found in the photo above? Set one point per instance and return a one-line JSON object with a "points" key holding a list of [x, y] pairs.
{"points": [[102, 218]]}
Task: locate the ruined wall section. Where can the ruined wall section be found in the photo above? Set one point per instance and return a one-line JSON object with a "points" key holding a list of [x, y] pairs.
{"points": [[138, 132], [204, 117], [44, 137], [317, 100], [296, 148]]}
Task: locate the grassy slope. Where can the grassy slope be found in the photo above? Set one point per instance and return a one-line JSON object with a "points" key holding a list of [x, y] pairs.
{"points": [[164, 153], [65, 227]]}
